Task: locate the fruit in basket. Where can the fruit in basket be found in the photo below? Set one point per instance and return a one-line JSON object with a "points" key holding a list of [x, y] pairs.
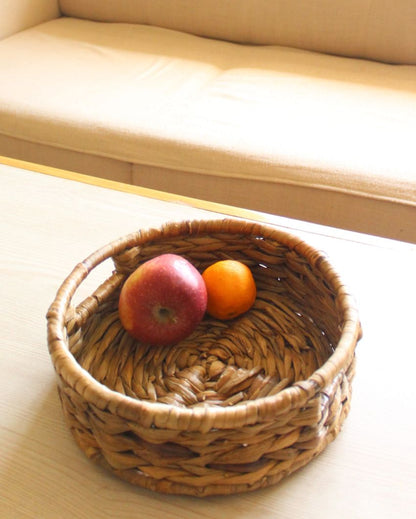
{"points": [[230, 287], [163, 300]]}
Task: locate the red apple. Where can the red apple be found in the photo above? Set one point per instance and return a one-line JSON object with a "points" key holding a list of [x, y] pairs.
{"points": [[163, 300]]}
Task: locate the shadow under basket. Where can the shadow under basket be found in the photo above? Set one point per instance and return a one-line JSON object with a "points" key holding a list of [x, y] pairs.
{"points": [[236, 406]]}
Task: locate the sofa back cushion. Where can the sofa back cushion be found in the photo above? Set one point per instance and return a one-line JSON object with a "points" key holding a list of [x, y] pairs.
{"points": [[382, 30]]}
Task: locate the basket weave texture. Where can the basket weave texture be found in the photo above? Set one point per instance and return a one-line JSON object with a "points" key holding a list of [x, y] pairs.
{"points": [[236, 406]]}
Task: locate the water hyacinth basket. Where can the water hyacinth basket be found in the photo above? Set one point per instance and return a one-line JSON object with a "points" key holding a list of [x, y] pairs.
{"points": [[236, 406]]}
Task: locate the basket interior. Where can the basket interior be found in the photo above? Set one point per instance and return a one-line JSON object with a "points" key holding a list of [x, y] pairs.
{"points": [[291, 330]]}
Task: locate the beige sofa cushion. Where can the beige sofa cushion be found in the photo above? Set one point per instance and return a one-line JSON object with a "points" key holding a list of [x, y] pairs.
{"points": [[376, 29], [171, 100]]}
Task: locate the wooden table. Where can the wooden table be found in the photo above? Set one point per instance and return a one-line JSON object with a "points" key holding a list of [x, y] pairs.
{"points": [[51, 221]]}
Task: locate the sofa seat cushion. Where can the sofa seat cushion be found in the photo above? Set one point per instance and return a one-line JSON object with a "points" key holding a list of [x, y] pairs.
{"points": [[172, 100]]}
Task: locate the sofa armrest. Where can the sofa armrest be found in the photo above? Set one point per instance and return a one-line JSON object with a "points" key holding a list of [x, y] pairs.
{"points": [[17, 15]]}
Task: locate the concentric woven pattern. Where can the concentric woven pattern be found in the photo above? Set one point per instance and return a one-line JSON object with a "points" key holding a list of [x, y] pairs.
{"points": [[237, 405]]}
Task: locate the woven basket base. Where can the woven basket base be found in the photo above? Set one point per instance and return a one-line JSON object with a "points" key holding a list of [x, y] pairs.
{"points": [[175, 467]]}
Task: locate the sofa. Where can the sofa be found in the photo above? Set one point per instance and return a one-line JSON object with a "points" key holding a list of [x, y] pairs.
{"points": [[302, 108]]}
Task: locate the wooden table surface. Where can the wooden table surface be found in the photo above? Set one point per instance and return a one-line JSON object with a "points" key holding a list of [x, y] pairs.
{"points": [[49, 223]]}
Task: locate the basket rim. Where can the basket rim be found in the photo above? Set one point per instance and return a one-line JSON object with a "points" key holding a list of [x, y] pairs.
{"points": [[162, 415]]}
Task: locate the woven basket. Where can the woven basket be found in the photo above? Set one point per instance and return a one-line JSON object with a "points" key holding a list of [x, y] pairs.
{"points": [[236, 406]]}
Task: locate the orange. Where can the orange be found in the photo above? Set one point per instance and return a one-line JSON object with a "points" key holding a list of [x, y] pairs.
{"points": [[231, 289]]}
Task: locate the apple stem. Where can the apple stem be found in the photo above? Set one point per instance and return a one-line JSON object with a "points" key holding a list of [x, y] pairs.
{"points": [[164, 315]]}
